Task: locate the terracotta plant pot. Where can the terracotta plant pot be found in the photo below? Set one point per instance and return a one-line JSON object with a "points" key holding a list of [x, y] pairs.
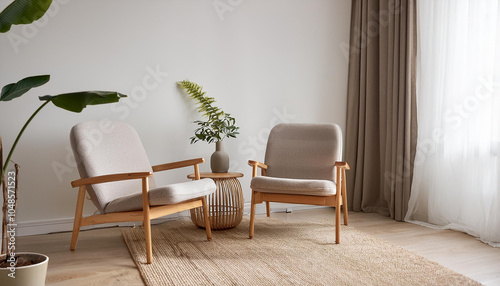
{"points": [[33, 275], [219, 161]]}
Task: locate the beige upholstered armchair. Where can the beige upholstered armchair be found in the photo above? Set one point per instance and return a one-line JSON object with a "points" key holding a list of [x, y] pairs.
{"points": [[116, 172], [302, 166]]}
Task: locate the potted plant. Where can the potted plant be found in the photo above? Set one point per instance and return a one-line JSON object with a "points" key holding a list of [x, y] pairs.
{"points": [[218, 126], [30, 268]]}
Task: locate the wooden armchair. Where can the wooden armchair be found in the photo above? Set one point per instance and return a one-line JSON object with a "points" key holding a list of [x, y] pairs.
{"points": [[302, 167], [128, 191]]}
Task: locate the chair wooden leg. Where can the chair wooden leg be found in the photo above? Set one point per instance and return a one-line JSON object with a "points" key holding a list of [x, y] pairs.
{"points": [[268, 209], [207, 218], [147, 235], [337, 208], [252, 215], [344, 198], [147, 220], [78, 217], [337, 224], [344, 209]]}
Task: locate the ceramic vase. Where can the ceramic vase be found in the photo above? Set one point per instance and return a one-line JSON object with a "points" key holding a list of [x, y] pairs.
{"points": [[219, 161]]}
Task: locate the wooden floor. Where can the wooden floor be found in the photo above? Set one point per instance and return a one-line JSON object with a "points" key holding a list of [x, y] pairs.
{"points": [[102, 257]]}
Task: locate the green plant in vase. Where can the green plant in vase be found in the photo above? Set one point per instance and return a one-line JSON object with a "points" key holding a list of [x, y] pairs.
{"points": [[218, 126], [30, 268], [75, 102]]}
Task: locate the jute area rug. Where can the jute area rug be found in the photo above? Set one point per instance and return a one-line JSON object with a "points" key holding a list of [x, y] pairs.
{"points": [[281, 253]]}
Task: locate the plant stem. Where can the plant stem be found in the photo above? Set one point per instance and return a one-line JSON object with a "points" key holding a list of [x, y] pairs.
{"points": [[4, 169]]}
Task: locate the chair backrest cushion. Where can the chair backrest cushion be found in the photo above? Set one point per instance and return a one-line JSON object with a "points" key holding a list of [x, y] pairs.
{"points": [[103, 148], [304, 151]]}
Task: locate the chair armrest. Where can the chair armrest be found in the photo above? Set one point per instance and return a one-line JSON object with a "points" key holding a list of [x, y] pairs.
{"points": [[179, 164], [110, 178], [258, 164], [341, 164], [255, 165]]}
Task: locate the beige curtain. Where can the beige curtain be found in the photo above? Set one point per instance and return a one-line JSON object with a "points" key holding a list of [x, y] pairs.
{"points": [[381, 111]]}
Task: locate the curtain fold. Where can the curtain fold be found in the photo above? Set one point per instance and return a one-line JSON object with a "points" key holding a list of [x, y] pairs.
{"points": [[381, 110], [456, 182]]}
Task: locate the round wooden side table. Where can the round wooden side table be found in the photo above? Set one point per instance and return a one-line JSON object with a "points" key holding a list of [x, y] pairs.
{"points": [[225, 204]]}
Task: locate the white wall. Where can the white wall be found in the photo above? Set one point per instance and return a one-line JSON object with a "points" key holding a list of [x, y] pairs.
{"points": [[265, 62]]}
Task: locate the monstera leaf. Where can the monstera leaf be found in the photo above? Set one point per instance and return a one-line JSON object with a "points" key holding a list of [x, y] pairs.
{"points": [[77, 101], [74, 101], [22, 12], [14, 90]]}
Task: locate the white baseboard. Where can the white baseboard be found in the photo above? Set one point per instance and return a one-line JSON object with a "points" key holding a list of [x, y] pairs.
{"points": [[66, 224]]}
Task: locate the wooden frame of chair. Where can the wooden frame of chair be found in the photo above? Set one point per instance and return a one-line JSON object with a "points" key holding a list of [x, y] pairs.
{"points": [[148, 211], [340, 198]]}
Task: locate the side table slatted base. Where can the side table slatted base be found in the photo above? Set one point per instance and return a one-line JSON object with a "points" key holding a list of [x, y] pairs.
{"points": [[225, 205]]}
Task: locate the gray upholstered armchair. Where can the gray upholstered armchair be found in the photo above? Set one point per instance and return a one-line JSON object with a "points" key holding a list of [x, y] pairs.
{"points": [[302, 166], [116, 172]]}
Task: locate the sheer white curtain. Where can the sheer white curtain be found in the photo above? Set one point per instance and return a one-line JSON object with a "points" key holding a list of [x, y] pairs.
{"points": [[456, 182]]}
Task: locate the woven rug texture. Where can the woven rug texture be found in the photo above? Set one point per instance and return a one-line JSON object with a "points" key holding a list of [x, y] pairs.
{"points": [[281, 253]]}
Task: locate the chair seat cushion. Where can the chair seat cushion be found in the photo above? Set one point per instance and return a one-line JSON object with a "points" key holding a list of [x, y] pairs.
{"points": [[170, 194], [293, 186]]}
